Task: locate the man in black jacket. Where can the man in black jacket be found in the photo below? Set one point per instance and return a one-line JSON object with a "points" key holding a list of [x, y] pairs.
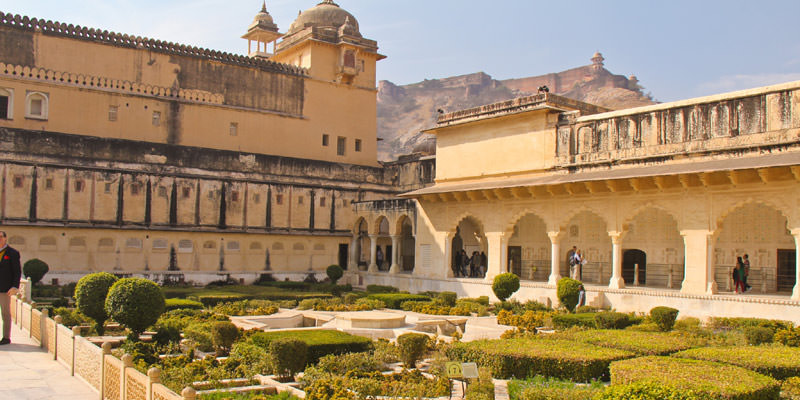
{"points": [[10, 273]]}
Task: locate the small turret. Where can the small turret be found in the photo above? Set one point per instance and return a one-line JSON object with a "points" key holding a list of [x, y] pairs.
{"points": [[597, 60], [263, 31]]}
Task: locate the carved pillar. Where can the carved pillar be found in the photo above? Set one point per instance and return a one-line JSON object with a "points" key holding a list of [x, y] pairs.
{"points": [[555, 258], [352, 263], [699, 252], [395, 268], [448, 254], [373, 247], [616, 281], [498, 254], [796, 291]]}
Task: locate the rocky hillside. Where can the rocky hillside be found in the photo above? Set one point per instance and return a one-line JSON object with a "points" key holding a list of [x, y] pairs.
{"points": [[403, 111]]}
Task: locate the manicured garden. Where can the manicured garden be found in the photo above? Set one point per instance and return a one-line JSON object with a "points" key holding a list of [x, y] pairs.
{"points": [[565, 353]]}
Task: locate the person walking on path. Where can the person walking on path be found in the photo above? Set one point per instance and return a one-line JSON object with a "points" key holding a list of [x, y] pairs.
{"points": [[738, 275], [10, 273]]}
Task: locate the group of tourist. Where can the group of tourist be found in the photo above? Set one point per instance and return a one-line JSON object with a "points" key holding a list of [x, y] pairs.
{"points": [[740, 273], [467, 266], [576, 261]]}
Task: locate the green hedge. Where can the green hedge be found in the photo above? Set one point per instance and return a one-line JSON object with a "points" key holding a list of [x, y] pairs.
{"points": [[706, 378], [395, 300], [650, 391], [644, 343], [741, 323], [564, 321], [524, 357], [381, 289], [779, 362], [213, 300], [176, 304], [541, 388], [613, 320], [321, 342]]}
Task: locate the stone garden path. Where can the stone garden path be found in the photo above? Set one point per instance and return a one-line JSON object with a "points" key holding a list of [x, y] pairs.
{"points": [[30, 373]]}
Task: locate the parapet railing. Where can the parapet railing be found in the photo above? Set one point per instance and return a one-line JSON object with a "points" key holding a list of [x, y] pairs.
{"points": [[110, 377], [130, 41], [99, 82]]}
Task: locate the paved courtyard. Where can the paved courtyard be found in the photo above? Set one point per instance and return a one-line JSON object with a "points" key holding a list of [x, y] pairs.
{"points": [[30, 373]]}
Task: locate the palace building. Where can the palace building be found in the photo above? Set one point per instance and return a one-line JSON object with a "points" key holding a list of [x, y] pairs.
{"points": [[137, 156]]}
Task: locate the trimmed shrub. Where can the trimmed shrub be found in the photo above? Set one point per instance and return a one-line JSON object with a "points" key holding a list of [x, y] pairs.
{"points": [[788, 337], [200, 334], [412, 347], [757, 335], [779, 362], [664, 317], [223, 335], [334, 273], [252, 307], [90, 297], [136, 303], [791, 388], [505, 285], [213, 300], [704, 378], [644, 343], [612, 320], [449, 298], [287, 356], [541, 388], [564, 321], [396, 300], [251, 360], [527, 322], [177, 304], [320, 342], [567, 292], [35, 269], [381, 289], [741, 323], [526, 357], [650, 391]]}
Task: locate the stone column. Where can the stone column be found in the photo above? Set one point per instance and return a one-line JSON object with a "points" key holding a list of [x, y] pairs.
{"points": [[448, 254], [616, 281], [796, 291], [373, 247], [699, 252], [395, 268], [555, 258], [352, 263], [497, 243]]}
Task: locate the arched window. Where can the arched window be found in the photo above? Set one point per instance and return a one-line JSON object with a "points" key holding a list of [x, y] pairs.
{"points": [[36, 105], [255, 246], [319, 247], [16, 241], [133, 243], [77, 242], [233, 246], [6, 103], [159, 244], [47, 241], [185, 246], [298, 247], [210, 245], [277, 246]]}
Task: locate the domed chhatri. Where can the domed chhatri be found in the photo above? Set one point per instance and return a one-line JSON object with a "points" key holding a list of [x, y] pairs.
{"points": [[262, 31], [263, 20], [326, 14]]}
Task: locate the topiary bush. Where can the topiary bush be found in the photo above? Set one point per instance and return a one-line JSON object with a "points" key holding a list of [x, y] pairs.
{"points": [[412, 347], [757, 335], [320, 342], [567, 292], [223, 335], [788, 337], [505, 285], [612, 320], [287, 356], [381, 289], [136, 303], [35, 269], [334, 273], [177, 304], [565, 321], [664, 317], [650, 391], [90, 297], [791, 388]]}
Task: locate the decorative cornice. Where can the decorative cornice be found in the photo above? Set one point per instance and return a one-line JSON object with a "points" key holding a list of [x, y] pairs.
{"points": [[137, 42]]}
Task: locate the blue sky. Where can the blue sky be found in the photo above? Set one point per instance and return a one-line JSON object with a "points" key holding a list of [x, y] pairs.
{"points": [[678, 49]]}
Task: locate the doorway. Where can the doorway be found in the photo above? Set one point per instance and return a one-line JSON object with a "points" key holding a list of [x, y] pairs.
{"points": [[786, 270], [515, 260], [343, 255], [630, 258]]}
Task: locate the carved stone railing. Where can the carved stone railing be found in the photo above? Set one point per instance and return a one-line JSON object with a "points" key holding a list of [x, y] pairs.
{"points": [[749, 119], [110, 377], [138, 42], [98, 82]]}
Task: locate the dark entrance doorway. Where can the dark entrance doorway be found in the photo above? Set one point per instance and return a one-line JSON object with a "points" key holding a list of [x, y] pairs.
{"points": [[515, 260], [629, 260], [787, 266], [343, 255]]}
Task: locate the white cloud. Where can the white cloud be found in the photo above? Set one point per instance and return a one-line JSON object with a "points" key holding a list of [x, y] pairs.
{"points": [[743, 81]]}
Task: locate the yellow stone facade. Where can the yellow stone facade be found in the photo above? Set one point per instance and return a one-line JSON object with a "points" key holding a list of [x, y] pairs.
{"points": [[129, 154]]}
